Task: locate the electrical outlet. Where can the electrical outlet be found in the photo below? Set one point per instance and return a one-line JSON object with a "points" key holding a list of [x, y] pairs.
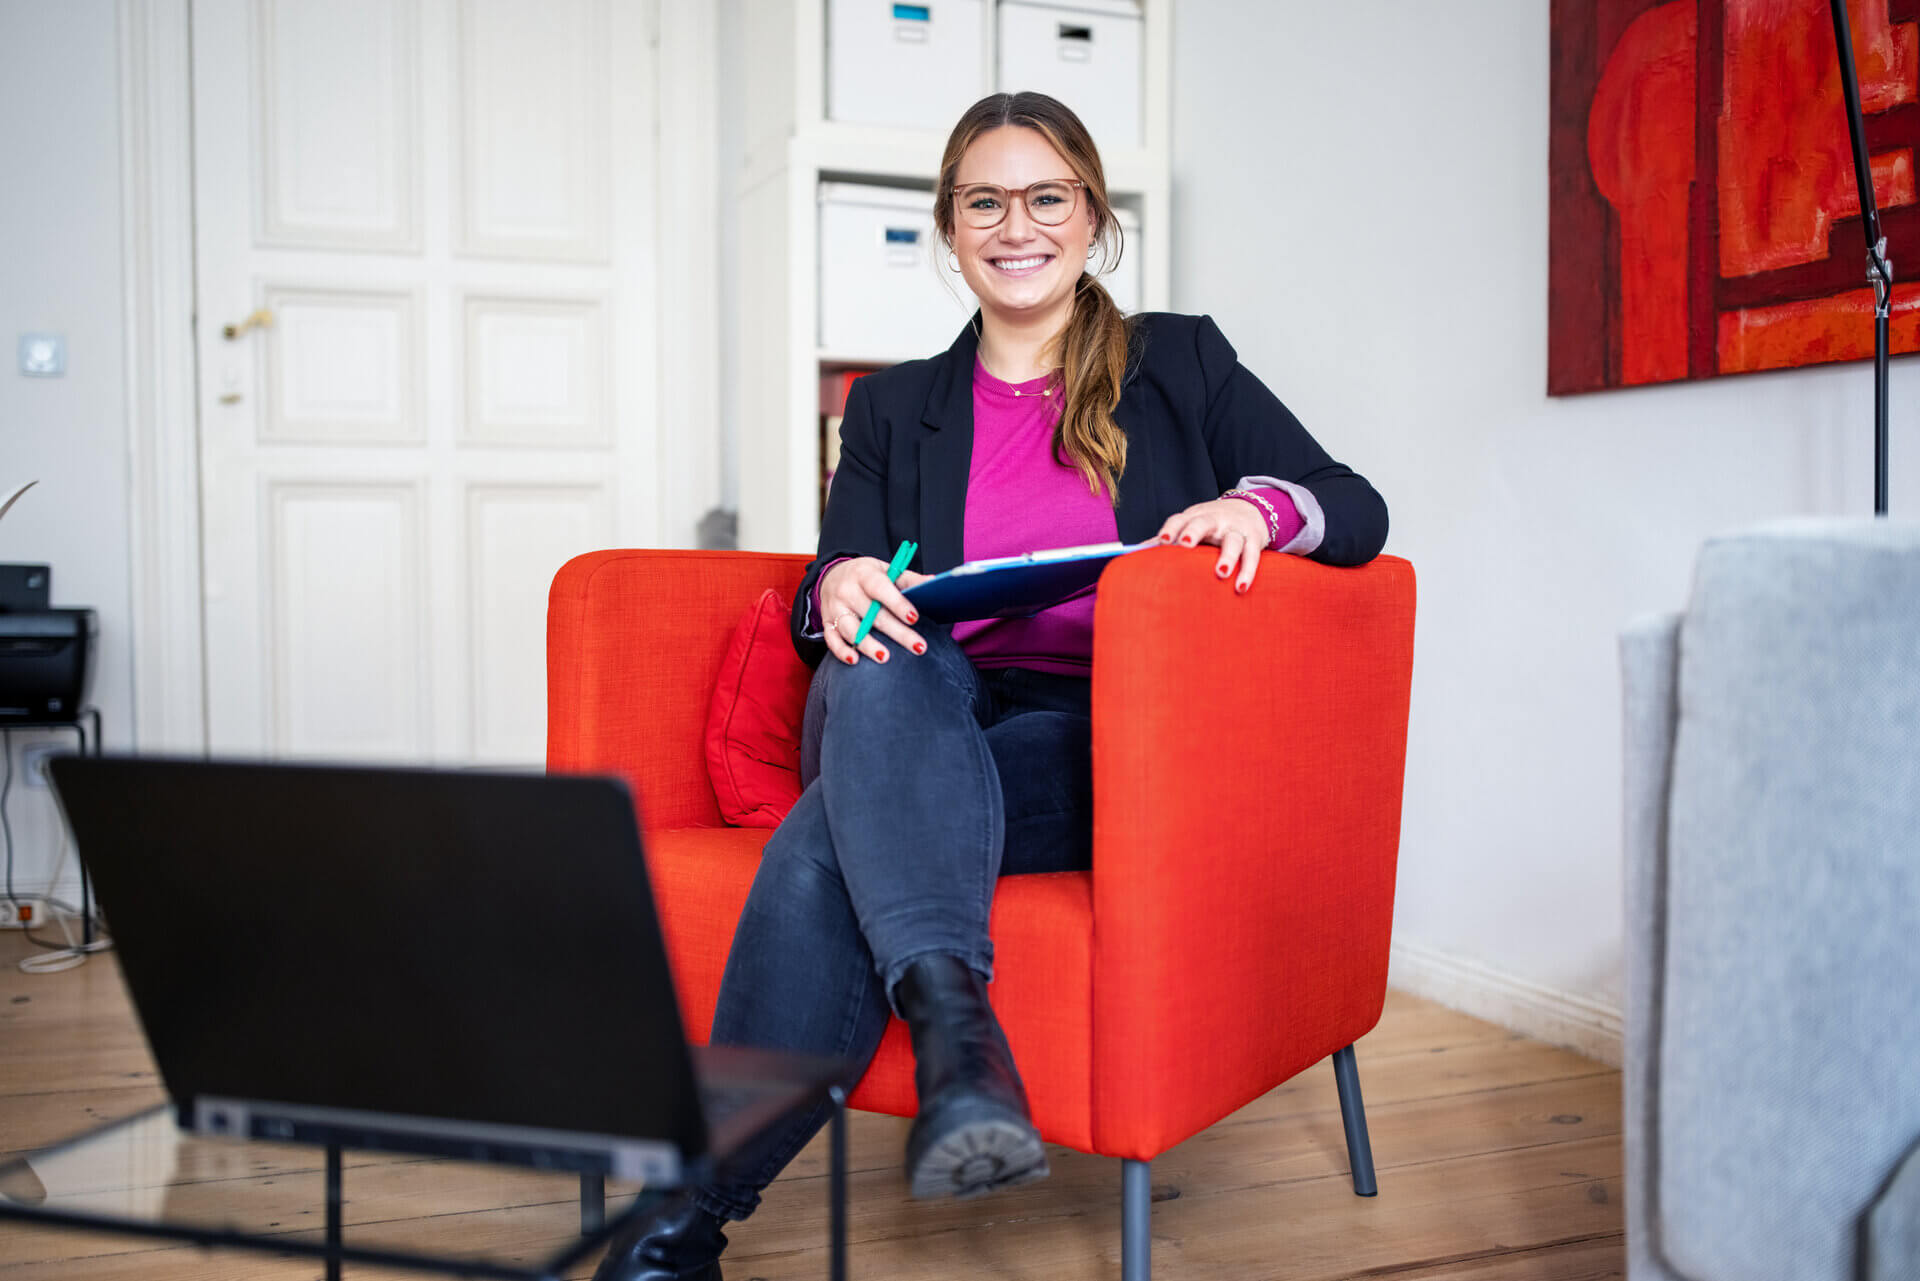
{"points": [[24, 912], [43, 355], [34, 759]]}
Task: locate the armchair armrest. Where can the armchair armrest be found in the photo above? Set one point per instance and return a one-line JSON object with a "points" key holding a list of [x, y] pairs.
{"points": [[634, 642], [1248, 755]]}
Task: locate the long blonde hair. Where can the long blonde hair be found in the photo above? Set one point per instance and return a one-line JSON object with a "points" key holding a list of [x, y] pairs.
{"points": [[1091, 351]]}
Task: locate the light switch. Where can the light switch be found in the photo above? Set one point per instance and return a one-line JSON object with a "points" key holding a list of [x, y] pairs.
{"points": [[43, 355]]}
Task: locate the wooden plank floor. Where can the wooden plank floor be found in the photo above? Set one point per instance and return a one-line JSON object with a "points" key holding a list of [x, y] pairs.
{"points": [[1499, 1159]]}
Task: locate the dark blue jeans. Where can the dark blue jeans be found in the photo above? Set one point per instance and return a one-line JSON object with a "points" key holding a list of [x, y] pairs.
{"points": [[925, 781]]}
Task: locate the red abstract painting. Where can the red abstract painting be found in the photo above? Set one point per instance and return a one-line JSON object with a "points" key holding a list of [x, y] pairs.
{"points": [[1704, 218]]}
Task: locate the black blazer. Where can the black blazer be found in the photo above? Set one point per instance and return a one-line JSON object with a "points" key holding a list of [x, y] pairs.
{"points": [[1196, 421]]}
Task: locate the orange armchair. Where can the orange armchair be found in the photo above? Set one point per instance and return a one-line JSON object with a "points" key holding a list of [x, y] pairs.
{"points": [[1247, 762]]}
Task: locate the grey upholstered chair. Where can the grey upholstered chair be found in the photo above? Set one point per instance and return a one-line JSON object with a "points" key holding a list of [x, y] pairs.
{"points": [[1773, 912]]}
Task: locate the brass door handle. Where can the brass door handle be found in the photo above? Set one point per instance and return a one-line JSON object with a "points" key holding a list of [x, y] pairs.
{"points": [[261, 319]]}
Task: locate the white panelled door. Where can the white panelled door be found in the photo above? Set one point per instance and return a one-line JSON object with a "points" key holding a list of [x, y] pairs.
{"points": [[438, 215]]}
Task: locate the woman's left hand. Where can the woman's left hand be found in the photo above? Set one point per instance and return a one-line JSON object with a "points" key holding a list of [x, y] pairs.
{"points": [[1234, 525]]}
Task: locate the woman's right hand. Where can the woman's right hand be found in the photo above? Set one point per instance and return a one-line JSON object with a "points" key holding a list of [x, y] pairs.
{"points": [[845, 592]]}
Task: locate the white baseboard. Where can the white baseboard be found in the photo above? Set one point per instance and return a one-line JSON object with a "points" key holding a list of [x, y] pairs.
{"points": [[1579, 1023]]}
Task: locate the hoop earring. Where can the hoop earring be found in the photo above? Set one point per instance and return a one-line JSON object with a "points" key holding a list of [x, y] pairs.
{"points": [[953, 261]]}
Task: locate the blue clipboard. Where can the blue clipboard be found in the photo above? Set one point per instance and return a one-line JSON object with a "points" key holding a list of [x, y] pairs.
{"points": [[1015, 586]]}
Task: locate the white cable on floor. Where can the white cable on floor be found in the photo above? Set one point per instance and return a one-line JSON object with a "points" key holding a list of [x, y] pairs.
{"points": [[75, 953]]}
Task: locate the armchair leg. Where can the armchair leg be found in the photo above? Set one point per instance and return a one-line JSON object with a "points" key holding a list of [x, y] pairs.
{"points": [[1354, 1113], [1136, 1211]]}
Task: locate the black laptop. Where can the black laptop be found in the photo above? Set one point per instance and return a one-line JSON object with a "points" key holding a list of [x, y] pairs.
{"points": [[442, 962]]}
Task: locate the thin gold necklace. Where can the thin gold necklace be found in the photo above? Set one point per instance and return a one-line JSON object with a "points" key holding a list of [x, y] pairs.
{"points": [[1044, 391]]}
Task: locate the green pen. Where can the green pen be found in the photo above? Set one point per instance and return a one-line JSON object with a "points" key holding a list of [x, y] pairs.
{"points": [[900, 559]]}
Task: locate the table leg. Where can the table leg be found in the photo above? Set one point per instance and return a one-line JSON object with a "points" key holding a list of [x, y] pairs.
{"points": [[837, 1189], [86, 882], [593, 1203], [333, 1212]]}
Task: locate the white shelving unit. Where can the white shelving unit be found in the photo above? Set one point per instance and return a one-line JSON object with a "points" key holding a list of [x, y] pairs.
{"points": [[790, 147]]}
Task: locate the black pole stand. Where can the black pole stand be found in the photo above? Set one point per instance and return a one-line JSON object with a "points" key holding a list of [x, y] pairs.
{"points": [[1879, 270]]}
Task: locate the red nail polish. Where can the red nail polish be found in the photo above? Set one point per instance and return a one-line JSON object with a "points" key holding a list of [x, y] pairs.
{"points": [[1240, 589], [879, 655], [1220, 571], [919, 649], [913, 618], [849, 660]]}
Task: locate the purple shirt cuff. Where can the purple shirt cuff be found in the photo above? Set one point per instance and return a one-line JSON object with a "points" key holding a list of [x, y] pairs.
{"points": [[1312, 530], [1278, 516]]}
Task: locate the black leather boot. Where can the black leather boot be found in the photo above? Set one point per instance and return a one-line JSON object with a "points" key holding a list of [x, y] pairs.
{"points": [[974, 1132], [677, 1242]]}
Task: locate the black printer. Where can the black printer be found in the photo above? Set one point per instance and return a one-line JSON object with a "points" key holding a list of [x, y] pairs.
{"points": [[46, 654]]}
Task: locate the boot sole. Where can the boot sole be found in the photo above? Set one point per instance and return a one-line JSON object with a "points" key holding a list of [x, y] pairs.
{"points": [[979, 1156]]}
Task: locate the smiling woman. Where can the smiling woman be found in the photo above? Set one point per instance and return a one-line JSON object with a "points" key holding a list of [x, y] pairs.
{"points": [[1026, 261], [935, 760]]}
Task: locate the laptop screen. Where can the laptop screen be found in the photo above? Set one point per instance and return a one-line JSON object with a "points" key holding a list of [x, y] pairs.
{"points": [[468, 946]]}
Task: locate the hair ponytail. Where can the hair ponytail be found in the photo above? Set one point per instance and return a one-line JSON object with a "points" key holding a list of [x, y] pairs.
{"points": [[1093, 361]]}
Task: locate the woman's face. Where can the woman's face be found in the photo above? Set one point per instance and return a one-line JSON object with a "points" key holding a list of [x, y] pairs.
{"points": [[1021, 269]]}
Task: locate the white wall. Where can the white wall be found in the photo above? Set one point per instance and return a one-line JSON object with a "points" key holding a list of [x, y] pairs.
{"points": [[731, 130], [1360, 199], [60, 256]]}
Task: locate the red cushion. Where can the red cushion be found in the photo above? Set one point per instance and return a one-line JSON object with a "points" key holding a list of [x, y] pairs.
{"points": [[753, 722]]}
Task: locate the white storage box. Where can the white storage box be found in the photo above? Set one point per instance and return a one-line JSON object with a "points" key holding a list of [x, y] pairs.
{"points": [[906, 66], [1086, 53], [881, 291]]}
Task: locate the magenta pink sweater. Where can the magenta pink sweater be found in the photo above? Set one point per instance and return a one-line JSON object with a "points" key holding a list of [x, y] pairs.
{"points": [[1020, 498]]}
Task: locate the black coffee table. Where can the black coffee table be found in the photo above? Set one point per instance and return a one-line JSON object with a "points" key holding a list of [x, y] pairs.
{"points": [[143, 1176]]}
